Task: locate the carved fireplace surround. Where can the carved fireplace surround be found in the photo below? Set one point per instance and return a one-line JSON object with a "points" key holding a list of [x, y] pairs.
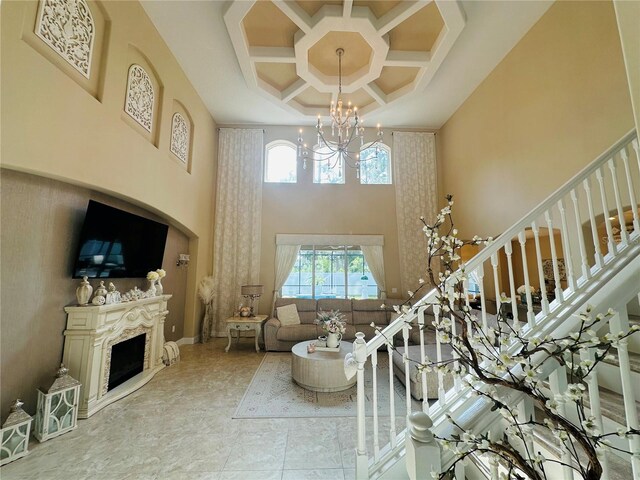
{"points": [[91, 333]]}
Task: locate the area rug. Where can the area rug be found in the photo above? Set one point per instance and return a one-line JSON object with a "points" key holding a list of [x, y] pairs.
{"points": [[273, 394]]}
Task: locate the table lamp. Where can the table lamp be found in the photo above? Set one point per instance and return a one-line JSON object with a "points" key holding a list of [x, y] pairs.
{"points": [[252, 292]]}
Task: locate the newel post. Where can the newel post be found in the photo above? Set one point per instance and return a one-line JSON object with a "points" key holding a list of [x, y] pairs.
{"points": [[423, 452]]}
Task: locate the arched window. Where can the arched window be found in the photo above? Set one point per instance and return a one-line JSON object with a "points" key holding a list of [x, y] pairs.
{"points": [[280, 162], [375, 170], [327, 166]]}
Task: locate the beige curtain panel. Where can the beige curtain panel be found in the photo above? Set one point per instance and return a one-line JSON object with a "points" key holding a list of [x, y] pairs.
{"points": [[414, 173], [236, 238]]}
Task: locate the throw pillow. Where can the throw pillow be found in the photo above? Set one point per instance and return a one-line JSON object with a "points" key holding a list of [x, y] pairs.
{"points": [[288, 315]]}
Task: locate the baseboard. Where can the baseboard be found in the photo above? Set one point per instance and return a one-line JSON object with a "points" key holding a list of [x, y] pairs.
{"points": [[188, 340]]}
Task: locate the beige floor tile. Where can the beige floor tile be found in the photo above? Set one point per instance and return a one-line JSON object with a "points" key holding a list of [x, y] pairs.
{"points": [[181, 426], [313, 449], [251, 475], [257, 452], [322, 474]]}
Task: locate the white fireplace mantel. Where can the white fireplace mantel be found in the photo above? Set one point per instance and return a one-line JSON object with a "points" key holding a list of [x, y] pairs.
{"points": [[91, 333]]}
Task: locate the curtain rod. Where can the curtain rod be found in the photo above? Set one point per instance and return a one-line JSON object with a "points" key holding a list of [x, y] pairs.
{"points": [[237, 128], [411, 131]]}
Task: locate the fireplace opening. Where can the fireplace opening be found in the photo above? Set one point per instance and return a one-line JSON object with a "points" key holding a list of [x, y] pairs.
{"points": [[127, 360]]}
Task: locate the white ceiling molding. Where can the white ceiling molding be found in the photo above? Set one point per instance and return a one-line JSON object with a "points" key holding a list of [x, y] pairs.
{"points": [[196, 33], [307, 32]]}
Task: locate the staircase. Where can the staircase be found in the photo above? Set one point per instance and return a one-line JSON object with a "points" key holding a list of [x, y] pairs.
{"points": [[580, 246]]}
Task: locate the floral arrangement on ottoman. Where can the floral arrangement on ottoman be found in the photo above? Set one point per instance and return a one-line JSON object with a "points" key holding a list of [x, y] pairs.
{"points": [[334, 324]]}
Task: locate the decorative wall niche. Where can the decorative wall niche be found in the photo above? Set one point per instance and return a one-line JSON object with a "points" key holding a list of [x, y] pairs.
{"points": [[140, 97], [180, 140], [73, 36], [180, 137], [67, 27]]}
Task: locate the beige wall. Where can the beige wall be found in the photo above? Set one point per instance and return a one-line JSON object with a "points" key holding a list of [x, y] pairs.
{"points": [[59, 125], [41, 222], [556, 101], [306, 207], [628, 17]]}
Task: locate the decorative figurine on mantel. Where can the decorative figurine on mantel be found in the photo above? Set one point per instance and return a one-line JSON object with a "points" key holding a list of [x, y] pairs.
{"points": [[161, 274], [100, 297], [84, 291], [113, 296], [15, 433], [152, 277]]}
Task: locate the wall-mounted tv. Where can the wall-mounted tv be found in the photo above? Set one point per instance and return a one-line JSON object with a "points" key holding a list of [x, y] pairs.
{"points": [[118, 244]]}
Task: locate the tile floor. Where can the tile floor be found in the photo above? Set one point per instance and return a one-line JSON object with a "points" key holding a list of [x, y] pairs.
{"points": [[179, 426]]}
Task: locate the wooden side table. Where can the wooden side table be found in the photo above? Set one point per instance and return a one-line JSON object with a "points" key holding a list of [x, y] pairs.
{"points": [[243, 324]]}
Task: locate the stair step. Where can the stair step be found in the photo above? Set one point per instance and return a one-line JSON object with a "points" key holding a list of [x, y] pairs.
{"points": [[611, 404], [634, 360]]}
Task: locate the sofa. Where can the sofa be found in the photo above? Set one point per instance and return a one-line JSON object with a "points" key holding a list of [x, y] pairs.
{"points": [[359, 314]]}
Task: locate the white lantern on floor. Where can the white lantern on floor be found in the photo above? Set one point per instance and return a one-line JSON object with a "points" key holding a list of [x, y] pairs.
{"points": [[15, 434], [58, 407]]}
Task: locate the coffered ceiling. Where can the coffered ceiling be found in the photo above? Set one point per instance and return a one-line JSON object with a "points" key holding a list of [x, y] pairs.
{"points": [[406, 63], [287, 49]]}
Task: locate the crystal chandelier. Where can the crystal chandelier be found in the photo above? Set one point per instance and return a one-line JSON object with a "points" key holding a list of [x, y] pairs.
{"points": [[346, 128]]}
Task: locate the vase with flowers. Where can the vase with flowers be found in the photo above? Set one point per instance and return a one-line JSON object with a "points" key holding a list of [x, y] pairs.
{"points": [[333, 324], [161, 274], [522, 291], [152, 277]]}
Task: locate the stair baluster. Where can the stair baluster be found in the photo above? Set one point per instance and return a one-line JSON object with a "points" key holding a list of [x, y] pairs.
{"points": [[525, 273], [441, 392], [376, 426], [594, 406], [620, 323], [554, 259], [566, 247], [514, 305], [594, 226], [544, 301], [392, 400], [624, 238], [611, 244], [558, 385], [423, 372], [586, 270]]}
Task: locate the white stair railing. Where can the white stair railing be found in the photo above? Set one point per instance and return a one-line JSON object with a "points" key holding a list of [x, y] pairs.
{"points": [[565, 246]]}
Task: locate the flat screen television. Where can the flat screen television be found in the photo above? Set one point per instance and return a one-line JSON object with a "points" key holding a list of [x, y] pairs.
{"points": [[118, 244]]}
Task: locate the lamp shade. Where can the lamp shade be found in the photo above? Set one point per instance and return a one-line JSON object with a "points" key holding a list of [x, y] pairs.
{"points": [[252, 290]]}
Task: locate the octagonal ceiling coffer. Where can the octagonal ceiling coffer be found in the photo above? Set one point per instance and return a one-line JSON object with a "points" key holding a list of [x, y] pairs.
{"points": [[286, 49], [357, 57]]}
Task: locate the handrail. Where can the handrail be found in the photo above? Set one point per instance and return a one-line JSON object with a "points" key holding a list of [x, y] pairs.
{"points": [[550, 200], [507, 235], [581, 287]]}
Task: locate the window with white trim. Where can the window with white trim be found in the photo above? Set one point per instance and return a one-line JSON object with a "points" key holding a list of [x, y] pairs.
{"points": [[327, 168], [280, 162], [330, 272], [375, 171]]}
